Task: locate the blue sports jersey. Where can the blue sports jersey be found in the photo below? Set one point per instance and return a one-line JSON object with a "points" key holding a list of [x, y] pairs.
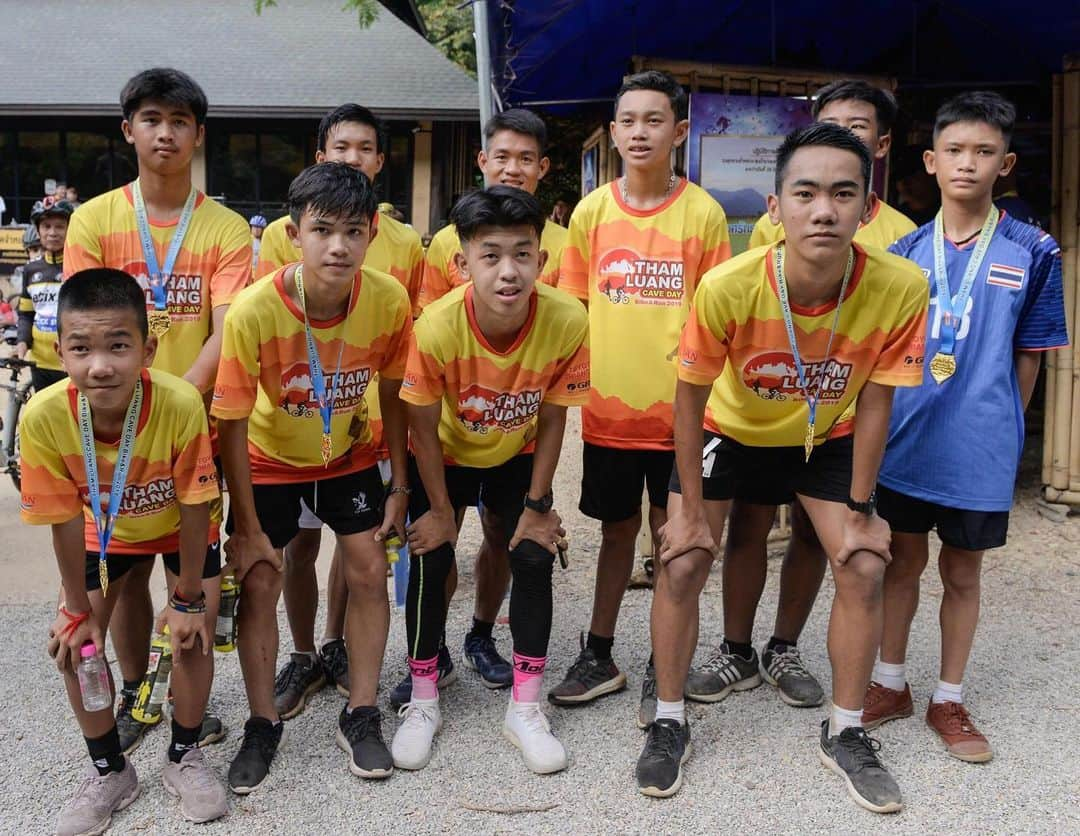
{"points": [[958, 444]]}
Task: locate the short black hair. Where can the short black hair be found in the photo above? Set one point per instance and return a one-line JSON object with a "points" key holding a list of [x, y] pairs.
{"points": [[520, 121], [848, 89], [978, 106], [167, 85], [102, 288], [350, 113], [498, 206], [661, 82], [334, 189], [822, 134]]}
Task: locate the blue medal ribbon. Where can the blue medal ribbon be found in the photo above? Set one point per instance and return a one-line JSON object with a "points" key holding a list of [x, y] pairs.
{"points": [[323, 396], [104, 523], [789, 325], [952, 307], [159, 275]]}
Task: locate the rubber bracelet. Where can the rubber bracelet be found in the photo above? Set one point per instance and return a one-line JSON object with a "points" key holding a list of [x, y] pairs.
{"points": [[196, 607], [399, 489], [74, 620]]}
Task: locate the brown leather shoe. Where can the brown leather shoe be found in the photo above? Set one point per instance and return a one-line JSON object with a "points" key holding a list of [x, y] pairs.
{"points": [[882, 704], [953, 725]]}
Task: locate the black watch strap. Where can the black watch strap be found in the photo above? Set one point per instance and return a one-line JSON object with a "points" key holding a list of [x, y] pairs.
{"points": [[541, 505], [867, 507]]}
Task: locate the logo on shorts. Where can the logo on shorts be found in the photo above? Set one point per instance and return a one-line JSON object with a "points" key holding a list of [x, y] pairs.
{"points": [[773, 377], [297, 397], [480, 409], [625, 275], [359, 503]]}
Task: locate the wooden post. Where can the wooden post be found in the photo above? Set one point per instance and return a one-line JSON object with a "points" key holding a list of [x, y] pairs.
{"points": [[1050, 401], [1067, 421]]}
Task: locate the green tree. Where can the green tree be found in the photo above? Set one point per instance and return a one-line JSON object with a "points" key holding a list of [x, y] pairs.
{"points": [[450, 28], [366, 10]]}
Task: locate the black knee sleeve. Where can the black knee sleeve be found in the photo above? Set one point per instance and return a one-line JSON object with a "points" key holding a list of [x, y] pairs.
{"points": [[530, 598], [425, 601]]}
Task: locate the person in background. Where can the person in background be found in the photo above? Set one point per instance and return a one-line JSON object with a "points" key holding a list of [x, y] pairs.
{"points": [[258, 224]]}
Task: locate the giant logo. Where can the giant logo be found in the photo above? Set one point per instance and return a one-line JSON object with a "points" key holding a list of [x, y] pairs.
{"points": [[626, 276], [298, 399], [183, 294], [481, 409], [772, 376]]}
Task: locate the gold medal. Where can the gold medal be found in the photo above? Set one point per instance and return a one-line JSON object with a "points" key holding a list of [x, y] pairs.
{"points": [[327, 449], [808, 444], [103, 575], [942, 367], [159, 322]]}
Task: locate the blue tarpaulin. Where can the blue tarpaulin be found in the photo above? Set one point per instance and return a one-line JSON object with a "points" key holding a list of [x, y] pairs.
{"points": [[572, 50]]}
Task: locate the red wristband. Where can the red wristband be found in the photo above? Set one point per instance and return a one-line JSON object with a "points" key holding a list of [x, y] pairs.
{"points": [[74, 620]]}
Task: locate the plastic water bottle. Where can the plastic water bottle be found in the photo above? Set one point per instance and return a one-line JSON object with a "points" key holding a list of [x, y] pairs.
{"points": [[94, 679], [155, 685], [225, 631]]}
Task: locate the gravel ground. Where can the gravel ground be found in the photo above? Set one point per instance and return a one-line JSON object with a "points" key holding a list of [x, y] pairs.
{"points": [[754, 765]]}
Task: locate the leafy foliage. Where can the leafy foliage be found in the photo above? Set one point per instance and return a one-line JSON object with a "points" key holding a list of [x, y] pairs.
{"points": [[366, 10]]}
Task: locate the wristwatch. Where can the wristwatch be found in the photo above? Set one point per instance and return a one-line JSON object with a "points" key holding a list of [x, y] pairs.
{"points": [[541, 505], [868, 507]]}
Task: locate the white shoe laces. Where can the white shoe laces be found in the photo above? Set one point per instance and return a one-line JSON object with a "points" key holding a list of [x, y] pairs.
{"points": [[418, 716], [532, 717]]}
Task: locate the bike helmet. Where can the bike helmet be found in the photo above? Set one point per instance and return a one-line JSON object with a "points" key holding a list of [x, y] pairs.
{"points": [[257, 220], [44, 208], [31, 238]]}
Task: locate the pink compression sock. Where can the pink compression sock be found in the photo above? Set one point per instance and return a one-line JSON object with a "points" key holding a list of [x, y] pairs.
{"points": [[528, 677], [425, 676]]}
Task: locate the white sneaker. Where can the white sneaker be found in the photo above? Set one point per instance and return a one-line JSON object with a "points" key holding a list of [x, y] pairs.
{"points": [[421, 721], [527, 728]]}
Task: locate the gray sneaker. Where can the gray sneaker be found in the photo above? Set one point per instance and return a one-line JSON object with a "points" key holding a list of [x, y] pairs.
{"points": [[852, 755], [647, 707], [129, 729], [194, 782], [723, 673], [784, 670], [90, 810], [301, 677]]}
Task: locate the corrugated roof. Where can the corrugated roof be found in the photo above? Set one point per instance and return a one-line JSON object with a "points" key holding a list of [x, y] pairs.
{"points": [[299, 58]]}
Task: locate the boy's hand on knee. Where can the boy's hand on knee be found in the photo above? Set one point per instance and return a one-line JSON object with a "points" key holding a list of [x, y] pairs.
{"points": [[394, 511], [243, 551], [66, 640], [184, 629], [866, 534], [684, 533], [543, 529], [432, 530]]}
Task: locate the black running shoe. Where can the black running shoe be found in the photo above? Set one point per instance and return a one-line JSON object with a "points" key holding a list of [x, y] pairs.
{"points": [[335, 662], [647, 707], [360, 735], [481, 655], [667, 747], [252, 763], [587, 679], [724, 672], [131, 731], [852, 755], [783, 668], [212, 729], [402, 692], [299, 679]]}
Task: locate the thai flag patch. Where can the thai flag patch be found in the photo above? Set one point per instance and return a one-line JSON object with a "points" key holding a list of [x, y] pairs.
{"points": [[1005, 276]]}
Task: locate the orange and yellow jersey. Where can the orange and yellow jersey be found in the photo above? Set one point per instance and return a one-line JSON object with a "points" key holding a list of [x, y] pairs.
{"points": [[637, 272], [491, 399], [885, 227], [212, 267], [264, 374], [441, 273], [736, 342], [396, 249], [171, 463]]}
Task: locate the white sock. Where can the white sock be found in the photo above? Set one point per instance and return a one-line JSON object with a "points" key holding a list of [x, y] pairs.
{"points": [[947, 692], [843, 718], [675, 710], [891, 676]]}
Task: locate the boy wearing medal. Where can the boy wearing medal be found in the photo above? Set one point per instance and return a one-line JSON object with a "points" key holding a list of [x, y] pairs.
{"points": [[192, 256], [299, 352], [780, 342], [493, 366], [955, 441], [118, 462]]}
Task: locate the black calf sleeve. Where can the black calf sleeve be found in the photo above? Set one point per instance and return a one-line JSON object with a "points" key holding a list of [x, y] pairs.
{"points": [[425, 601], [530, 598]]}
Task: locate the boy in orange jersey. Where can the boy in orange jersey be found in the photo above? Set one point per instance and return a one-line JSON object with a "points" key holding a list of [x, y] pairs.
{"points": [[349, 134], [192, 256], [492, 368], [635, 253], [780, 343], [118, 462], [299, 352]]}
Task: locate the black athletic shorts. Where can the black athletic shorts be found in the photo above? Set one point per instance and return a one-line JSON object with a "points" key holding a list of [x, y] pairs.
{"points": [[612, 480], [119, 564], [348, 504], [500, 489], [972, 531], [773, 475]]}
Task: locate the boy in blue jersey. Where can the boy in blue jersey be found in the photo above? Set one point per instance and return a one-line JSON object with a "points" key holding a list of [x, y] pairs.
{"points": [[955, 442]]}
